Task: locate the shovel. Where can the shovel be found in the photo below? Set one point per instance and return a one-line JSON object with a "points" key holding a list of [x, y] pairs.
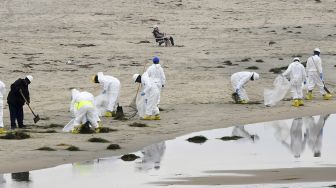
{"points": [[36, 116]]}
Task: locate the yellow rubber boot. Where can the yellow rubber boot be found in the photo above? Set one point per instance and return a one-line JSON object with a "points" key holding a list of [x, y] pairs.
{"points": [[146, 117], [309, 95], [97, 130], [108, 114], [243, 102], [76, 129], [327, 96], [157, 117], [301, 102], [3, 131], [295, 103]]}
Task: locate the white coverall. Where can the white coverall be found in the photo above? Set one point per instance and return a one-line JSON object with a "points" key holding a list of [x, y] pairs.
{"points": [[155, 71], [82, 105], [108, 99], [238, 80], [151, 97], [315, 132], [2, 94], [297, 75], [314, 68]]}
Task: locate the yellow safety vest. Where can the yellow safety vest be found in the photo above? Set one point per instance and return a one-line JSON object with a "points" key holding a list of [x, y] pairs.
{"points": [[79, 105]]}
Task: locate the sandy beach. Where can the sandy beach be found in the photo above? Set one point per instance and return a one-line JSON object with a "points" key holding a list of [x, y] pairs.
{"points": [[214, 39]]}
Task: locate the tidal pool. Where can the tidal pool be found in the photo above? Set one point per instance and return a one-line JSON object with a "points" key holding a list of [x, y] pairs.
{"points": [[307, 142]]}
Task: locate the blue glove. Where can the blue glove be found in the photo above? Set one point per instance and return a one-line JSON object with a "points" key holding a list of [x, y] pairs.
{"points": [[304, 82], [142, 93], [321, 76], [237, 90], [104, 92]]}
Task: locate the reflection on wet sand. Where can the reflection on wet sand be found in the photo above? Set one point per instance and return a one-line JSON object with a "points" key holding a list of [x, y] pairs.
{"points": [[152, 156]]}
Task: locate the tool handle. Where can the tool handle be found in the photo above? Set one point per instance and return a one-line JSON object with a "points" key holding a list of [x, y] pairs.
{"points": [[26, 101]]}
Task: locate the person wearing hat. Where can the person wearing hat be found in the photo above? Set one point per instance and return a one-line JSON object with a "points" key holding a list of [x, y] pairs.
{"points": [[315, 75], [238, 81], [155, 71], [149, 97], [16, 101], [2, 93], [161, 37], [107, 101], [297, 74]]}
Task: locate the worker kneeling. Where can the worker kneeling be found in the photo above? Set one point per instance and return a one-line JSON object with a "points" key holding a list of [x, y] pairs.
{"points": [[82, 106], [147, 102], [238, 81], [297, 75], [107, 101]]}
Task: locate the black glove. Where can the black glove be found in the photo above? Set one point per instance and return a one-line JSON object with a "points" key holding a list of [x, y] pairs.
{"points": [[162, 85]]}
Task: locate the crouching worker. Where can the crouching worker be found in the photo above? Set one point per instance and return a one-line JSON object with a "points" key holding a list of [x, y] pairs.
{"points": [[107, 101], [297, 74], [82, 106], [161, 37], [2, 93], [147, 102], [238, 81]]}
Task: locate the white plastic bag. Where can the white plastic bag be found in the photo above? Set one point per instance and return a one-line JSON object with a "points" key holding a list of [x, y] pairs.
{"points": [[140, 103], [273, 96]]}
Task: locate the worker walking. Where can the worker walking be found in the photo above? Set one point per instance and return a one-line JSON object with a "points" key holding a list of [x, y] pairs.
{"points": [[315, 76], [82, 107], [149, 97], [2, 93], [297, 74], [16, 101], [155, 71], [107, 101], [238, 81]]}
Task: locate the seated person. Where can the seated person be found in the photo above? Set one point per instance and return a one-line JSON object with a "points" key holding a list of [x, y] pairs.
{"points": [[161, 37]]}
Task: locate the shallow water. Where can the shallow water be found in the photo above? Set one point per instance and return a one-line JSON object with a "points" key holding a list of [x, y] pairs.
{"points": [[278, 144]]}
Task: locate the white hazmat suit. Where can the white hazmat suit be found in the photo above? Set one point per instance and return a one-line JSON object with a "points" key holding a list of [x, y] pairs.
{"points": [[297, 75], [2, 94], [147, 103], [82, 105], [155, 71], [314, 69], [239, 79], [107, 101]]}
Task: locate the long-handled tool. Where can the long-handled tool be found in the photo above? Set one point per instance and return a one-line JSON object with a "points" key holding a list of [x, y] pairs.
{"points": [[36, 116], [133, 103]]}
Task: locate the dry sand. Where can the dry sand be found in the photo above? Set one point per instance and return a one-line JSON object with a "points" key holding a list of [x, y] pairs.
{"points": [[38, 37]]}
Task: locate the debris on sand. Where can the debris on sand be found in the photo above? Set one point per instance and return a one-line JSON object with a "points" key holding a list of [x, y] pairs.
{"points": [[136, 124], [259, 61], [106, 130], [197, 139], [142, 42], [113, 147], [73, 148], [270, 43], [85, 129], [253, 68], [46, 149], [62, 144], [15, 135], [278, 69], [228, 138], [245, 60], [129, 157], [101, 140]]}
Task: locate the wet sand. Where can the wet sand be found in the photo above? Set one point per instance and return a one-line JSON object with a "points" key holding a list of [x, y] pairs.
{"points": [[39, 37]]}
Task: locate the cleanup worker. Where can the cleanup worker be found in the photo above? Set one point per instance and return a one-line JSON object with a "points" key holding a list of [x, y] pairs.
{"points": [[161, 37], [238, 81], [16, 101], [150, 95], [107, 101], [2, 93], [315, 76], [155, 71], [82, 106], [297, 75]]}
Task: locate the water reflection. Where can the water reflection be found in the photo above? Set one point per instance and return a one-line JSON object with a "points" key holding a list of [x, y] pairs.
{"points": [[152, 156], [21, 176], [262, 147], [315, 133]]}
